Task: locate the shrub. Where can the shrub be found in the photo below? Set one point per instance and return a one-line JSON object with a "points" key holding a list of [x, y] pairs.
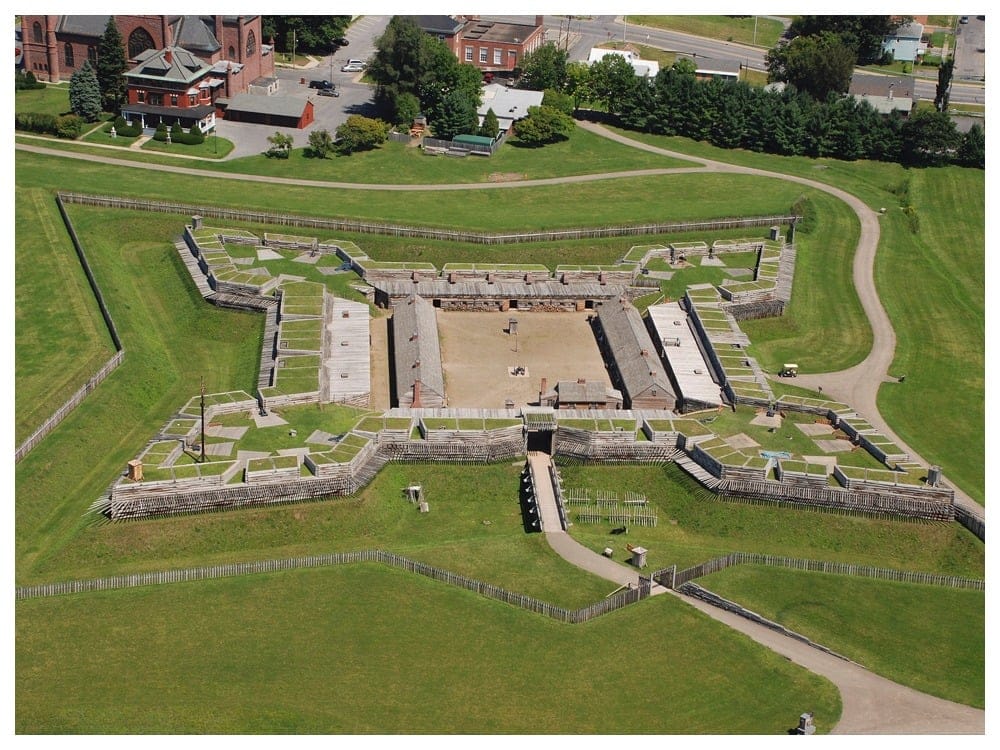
{"points": [[161, 132], [69, 126], [25, 80], [35, 122], [123, 129]]}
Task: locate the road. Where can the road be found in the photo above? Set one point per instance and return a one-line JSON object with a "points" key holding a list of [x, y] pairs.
{"points": [[585, 33]]}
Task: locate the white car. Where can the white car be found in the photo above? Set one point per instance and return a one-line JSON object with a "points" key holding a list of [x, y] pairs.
{"points": [[353, 66]]}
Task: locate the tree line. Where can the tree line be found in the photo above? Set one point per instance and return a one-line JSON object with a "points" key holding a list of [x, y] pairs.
{"points": [[733, 114]]}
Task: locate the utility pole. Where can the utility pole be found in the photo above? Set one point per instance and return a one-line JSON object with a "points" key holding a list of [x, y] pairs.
{"points": [[624, 28], [755, 31], [202, 459]]}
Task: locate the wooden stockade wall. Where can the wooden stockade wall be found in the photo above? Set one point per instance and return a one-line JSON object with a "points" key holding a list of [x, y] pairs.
{"points": [[489, 590], [972, 521], [667, 577], [95, 380], [693, 590], [397, 230]]}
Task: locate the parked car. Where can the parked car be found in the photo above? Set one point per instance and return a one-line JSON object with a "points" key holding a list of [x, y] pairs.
{"points": [[328, 92], [341, 42], [353, 66], [321, 85], [963, 19]]}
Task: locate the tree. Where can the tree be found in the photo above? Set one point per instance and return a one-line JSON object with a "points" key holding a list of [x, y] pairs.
{"points": [[815, 64], [611, 80], [281, 145], [85, 93], [562, 102], [578, 82], [943, 90], [398, 63], [491, 125], [544, 125], [456, 116], [928, 138], [321, 144], [111, 67], [972, 151], [863, 34], [406, 108], [359, 133], [544, 68], [312, 33]]}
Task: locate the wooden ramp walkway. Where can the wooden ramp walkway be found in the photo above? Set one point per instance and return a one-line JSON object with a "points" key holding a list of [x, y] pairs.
{"points": [[545, 497]]}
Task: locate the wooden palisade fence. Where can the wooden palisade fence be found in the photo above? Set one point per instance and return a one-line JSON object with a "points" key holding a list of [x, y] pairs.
{"points": [[130, 580]]}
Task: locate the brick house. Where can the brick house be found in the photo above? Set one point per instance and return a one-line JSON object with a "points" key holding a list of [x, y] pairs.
{"points": [[55, 47], [492, 46], [172, 85]]}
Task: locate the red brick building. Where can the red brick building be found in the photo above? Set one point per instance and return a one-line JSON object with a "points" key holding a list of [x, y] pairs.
{"points": [[494, 46], [56, 46]]}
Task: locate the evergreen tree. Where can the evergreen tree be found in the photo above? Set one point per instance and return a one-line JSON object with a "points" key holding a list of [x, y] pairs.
{"points": [[85, 93], [491, 124], [972, 151], [111, 67], [456, 116], [928, 137], [943, 90]]}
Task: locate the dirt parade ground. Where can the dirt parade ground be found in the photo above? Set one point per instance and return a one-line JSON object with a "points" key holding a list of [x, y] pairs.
{"points": [[478, 355]]}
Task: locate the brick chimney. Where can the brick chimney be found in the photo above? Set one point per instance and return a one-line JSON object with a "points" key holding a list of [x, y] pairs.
{"points": [[219, 33], [416, 395], [168, 55], [539, 20], [165, 32], [543, 390]]}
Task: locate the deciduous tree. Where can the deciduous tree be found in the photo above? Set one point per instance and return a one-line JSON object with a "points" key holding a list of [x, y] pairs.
{"points": [[544, 125], [320, 144], [544, 68], [359, 133]]}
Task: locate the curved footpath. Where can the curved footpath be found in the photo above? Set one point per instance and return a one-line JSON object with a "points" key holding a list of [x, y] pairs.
{"points": [[871, 704], [856, 386]]}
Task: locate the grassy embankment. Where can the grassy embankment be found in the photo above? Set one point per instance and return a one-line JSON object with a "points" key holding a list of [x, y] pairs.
{"points": [[941, 653], [929, 273]]}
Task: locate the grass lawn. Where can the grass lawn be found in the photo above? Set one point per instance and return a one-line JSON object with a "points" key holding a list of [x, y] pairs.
{"points": [[52, 100], [60, 338], [582, 153], [369, 650], [212, 148], [940, 652], [598, 203], [171, 337], [694, 526], [763, 32], [937, 307]]}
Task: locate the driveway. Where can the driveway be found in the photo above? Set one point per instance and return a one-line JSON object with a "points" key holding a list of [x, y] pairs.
{"points": [[330, 112]]}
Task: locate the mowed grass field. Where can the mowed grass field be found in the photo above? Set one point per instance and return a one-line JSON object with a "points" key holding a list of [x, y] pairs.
{"points": [[930, 278], [370, 650], [941, 653], [764, 32], [59, 334]]}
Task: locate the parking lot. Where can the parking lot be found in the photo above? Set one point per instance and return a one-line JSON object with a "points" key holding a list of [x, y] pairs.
{"points": [[355, 97]]}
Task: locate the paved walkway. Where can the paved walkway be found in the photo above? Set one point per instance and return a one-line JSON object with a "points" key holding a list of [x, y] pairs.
{"points": [[871, 704]]}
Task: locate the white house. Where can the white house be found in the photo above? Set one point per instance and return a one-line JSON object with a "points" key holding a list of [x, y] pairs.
{"points": [[644, 68], [509, 105], [905, 44]]}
